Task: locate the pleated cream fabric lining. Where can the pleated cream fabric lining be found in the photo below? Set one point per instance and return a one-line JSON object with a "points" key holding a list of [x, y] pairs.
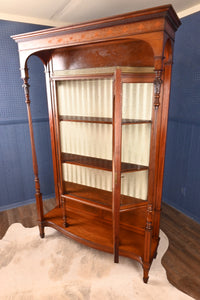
{"points": [[94, 98]]}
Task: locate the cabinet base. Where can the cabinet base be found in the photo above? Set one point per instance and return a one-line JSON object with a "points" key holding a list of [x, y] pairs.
{"points": [[97, 233]]}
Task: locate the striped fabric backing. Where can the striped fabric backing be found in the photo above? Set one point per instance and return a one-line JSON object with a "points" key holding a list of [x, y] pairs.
{"points": [[88, 98], [94, 98]]}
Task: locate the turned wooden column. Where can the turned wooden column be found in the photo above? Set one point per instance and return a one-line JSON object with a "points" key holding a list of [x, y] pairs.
{"points": [[167, 67], [147, 243], [154, 199], [38, 195]]}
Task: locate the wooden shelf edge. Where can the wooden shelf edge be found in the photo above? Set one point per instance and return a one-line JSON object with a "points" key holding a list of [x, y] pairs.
{"points": [[98, 198], [86, 202], [129, 207], [81, 119], [132, 228], [54, 219], [101, 199], [77, 238], [99, 163], [101, 120], [90, 244], [135, 122]]}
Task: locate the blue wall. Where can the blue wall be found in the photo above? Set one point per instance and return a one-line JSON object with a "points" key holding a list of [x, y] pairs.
{"points": [[16, 172], [181, 187], [182, 165]]}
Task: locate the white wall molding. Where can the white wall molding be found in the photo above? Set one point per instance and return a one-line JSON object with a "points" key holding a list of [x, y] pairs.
{"points": [[54, 23], [189, 11], [30, 20]]}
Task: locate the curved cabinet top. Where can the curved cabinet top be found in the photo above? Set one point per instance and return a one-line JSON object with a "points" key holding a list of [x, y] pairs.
{"points": [[150, 25]]}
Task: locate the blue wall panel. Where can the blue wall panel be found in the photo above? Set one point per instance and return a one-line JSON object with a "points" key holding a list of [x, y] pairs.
{"points": [[181, 186], [16, 171]]}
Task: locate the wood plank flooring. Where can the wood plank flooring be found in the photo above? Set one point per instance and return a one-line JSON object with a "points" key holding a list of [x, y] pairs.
{"points": [[181, 261]]}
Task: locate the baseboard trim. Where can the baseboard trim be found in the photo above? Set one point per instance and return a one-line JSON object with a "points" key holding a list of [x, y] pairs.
{"points": [[182, 210], [26, 202], [23, 121]]}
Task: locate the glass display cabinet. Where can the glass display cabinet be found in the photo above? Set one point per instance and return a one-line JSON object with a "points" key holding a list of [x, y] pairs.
{"points": [[108, 86]]}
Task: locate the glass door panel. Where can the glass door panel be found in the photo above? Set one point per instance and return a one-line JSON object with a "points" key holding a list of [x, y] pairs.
{"points": [[137, 101], [85, 110], [136, 137]]}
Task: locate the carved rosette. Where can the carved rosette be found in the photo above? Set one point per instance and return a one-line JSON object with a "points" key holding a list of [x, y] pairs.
{"points": [[157, 87]]}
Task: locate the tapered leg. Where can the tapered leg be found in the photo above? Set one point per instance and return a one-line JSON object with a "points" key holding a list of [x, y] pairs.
{"points": [[155, 254], [146, 268], [66, 224], [41, 228], [116, 255], [147, 243]]}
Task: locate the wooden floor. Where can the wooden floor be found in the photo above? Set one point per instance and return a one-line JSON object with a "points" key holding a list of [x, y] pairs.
{"points": [[181, 261]]}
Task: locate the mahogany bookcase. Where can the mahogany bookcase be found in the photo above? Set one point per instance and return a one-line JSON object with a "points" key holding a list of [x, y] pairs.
{"points": [[108, 87]]}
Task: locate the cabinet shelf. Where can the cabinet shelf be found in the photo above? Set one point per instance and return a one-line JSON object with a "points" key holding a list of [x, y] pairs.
{"points": [[82, 119], [88, 195], [101, 120], [135, 121], [98, 198], [97, 233], [99, 163]]}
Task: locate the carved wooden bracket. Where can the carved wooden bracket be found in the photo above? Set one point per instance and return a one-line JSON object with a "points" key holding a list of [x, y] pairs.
{"points": [[26, 90], [157, 86], [149, 217]]}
